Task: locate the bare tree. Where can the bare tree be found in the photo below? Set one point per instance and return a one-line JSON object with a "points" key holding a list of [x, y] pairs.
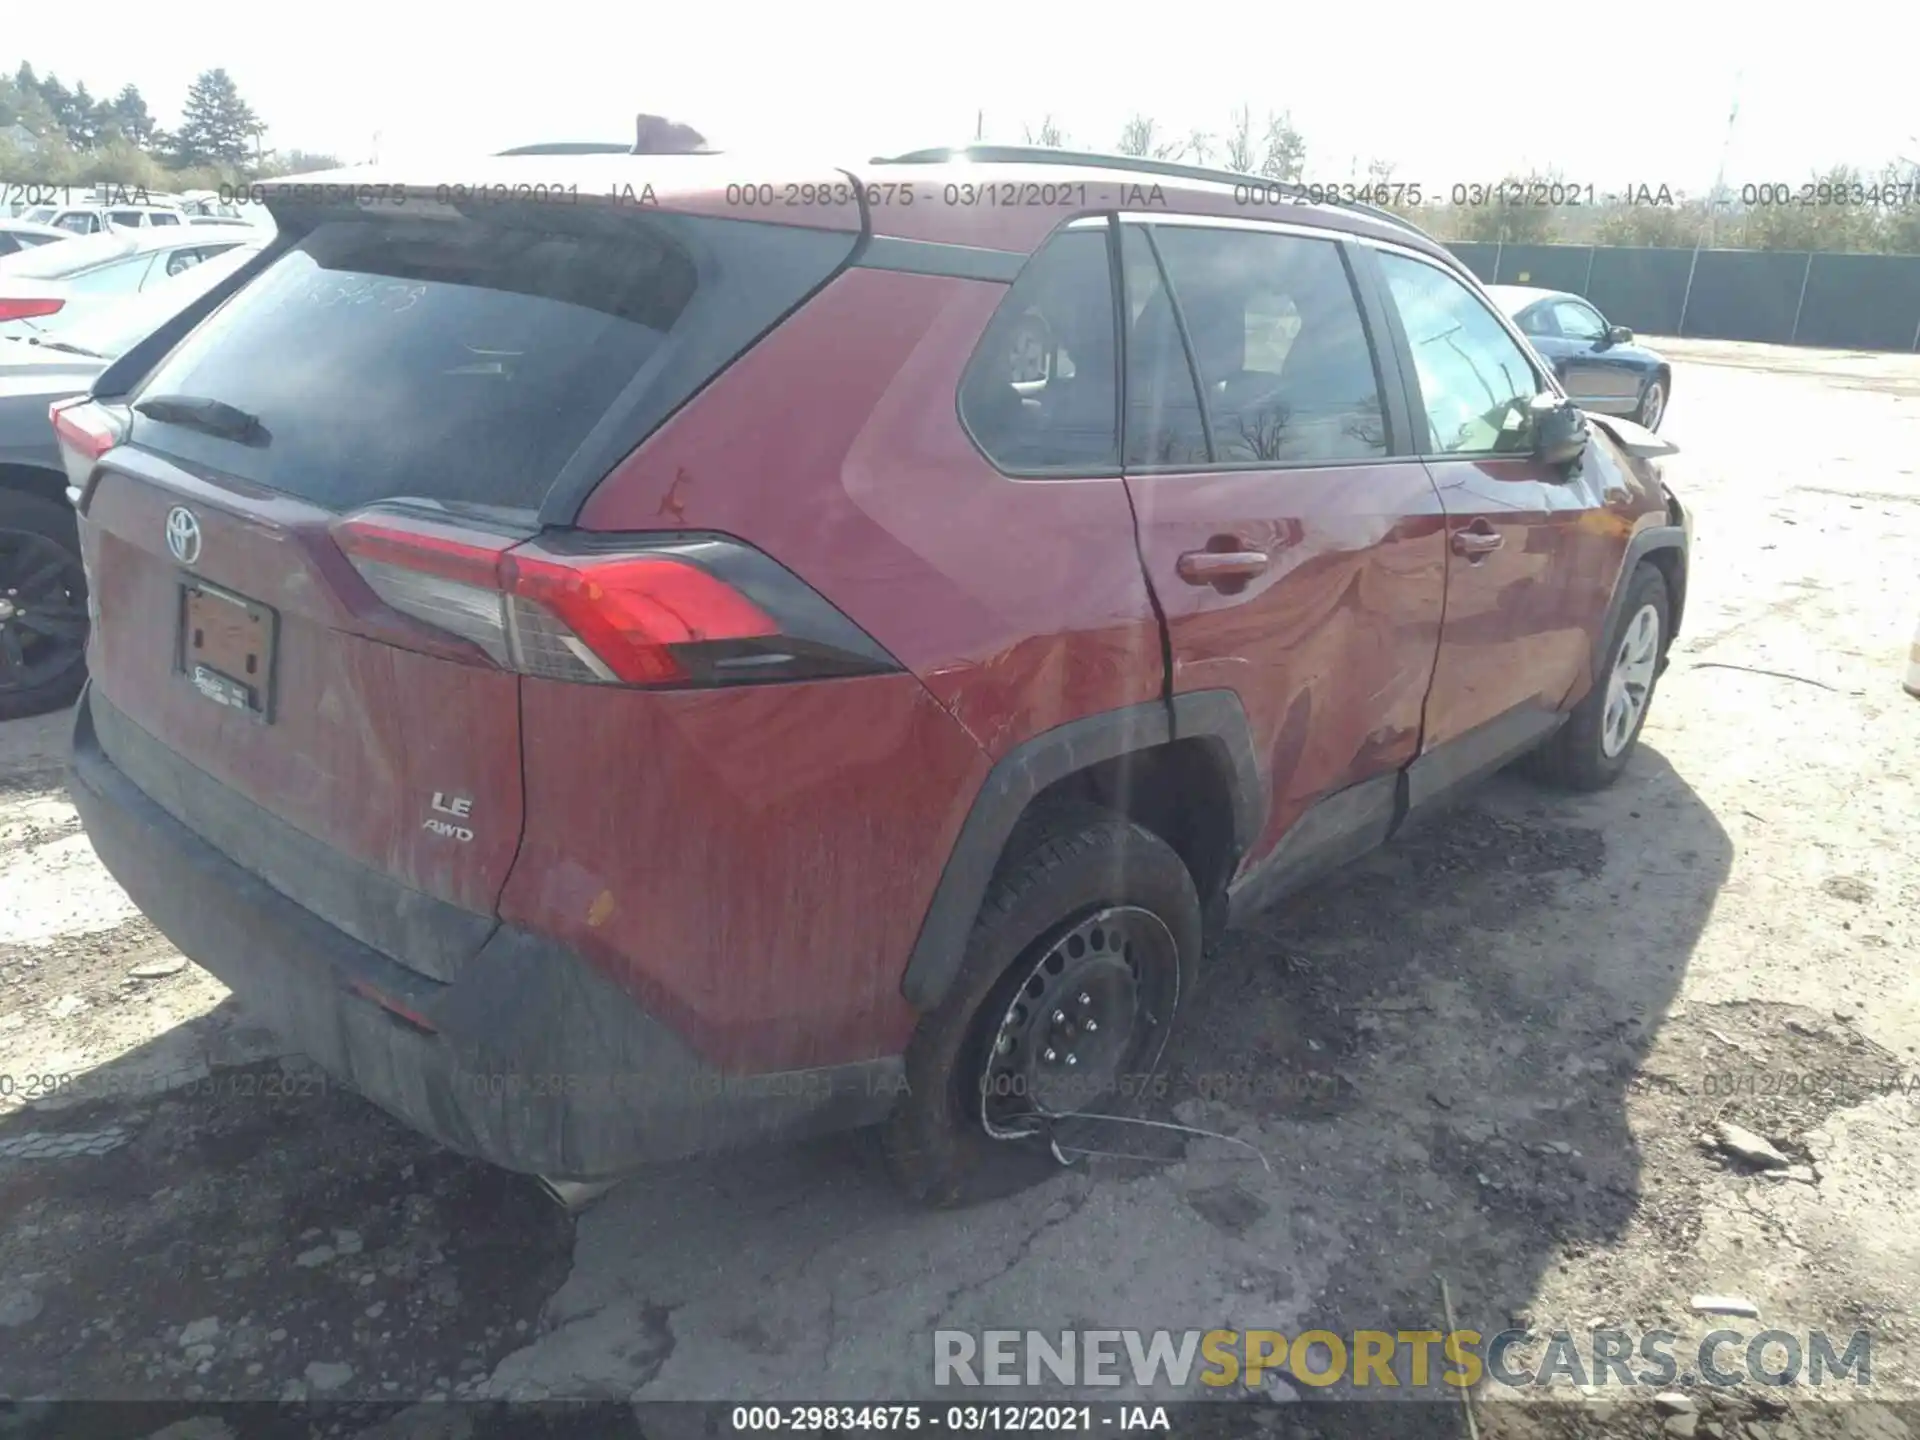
{"points": [[1136, 137], [1200, 146], [1239, 154], [1047, 133], [1283, 151], [1140, 137]]}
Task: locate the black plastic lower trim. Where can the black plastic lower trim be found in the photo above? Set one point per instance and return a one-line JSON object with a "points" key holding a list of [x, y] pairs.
{"points": [[1439, 775], [1338, 828], [1644, 543], [1213, 716], [533, 1059]]}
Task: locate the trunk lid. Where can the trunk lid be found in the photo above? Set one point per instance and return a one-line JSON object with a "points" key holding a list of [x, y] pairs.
{"points": [[468, 362]]}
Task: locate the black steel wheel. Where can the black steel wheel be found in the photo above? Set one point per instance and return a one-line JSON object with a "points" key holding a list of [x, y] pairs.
{"points": [[43, 606]]}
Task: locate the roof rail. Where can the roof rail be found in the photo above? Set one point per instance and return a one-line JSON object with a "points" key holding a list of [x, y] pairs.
{"points": [[1047, 155]]}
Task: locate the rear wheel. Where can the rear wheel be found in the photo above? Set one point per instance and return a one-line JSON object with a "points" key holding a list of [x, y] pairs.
{"points": [[1072, 976], [1593, 747], [43, 606]]}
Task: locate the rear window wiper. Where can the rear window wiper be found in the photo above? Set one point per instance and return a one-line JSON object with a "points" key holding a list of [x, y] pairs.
{"points": [[215, 417]]}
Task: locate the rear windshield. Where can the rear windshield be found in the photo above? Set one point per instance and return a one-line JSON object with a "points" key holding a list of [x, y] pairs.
{"points": [[480, 359]]}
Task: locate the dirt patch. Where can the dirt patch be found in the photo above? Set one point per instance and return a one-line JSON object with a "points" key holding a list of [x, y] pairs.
{"points": [[264, 1236]]}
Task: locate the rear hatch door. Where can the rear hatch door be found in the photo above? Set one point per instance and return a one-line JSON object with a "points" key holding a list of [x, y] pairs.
{"points": [[464, 361]]}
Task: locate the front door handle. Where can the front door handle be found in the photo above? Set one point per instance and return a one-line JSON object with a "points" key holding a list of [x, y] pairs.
{"points": [[1477, 541], [1217, 567]]}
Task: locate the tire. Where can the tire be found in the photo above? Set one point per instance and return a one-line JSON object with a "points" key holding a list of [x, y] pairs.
{"points": [[1587, 753], [41, 580], [1070, 873], [1652, 408]]}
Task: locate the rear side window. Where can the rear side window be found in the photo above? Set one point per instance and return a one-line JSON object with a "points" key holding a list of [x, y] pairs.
{"points": [[117, 277], [1283, 358], [1039, 393], [484, 359], [124, 217], [165, 217]]}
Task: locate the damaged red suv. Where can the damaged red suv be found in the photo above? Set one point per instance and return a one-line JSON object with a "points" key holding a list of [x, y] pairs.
{"points": [[645, 654]]}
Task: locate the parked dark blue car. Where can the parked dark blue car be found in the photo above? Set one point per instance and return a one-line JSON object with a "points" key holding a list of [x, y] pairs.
{"points": [[1600, 366]]}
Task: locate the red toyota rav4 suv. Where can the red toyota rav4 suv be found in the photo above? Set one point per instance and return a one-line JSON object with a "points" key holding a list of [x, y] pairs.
{"points": [[640, 654]]}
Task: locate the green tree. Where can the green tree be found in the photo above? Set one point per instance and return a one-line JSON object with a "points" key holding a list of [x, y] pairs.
{"points": [[1504, 216], [127, 113], [59, 102], [1671, 226], [217, 127], [1899, 227], [1828, 218], [83, 119], [22, 104]]}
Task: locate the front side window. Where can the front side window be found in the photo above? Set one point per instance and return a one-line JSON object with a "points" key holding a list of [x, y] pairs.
{"points": [[80, 222], [1475, 382], [1038, 394], [1284, 362], [1577, 321]]}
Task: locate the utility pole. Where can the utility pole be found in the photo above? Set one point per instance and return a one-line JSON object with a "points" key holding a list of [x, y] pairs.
{"points": [[980, 125], [1713, 202]]}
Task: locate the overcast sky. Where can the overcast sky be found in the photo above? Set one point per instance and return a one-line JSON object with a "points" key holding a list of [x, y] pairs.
{"points": [[1448, 92]]}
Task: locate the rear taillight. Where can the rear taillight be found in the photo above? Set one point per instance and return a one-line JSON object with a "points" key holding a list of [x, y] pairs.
{"points": [[655, 610], [86, 430], [29, 307]]}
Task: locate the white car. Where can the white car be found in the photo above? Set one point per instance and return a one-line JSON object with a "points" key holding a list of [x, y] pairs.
{"points": [[82, 273], [96, 219]]}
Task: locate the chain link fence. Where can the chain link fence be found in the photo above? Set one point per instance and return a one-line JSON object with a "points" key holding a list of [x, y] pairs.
{"points": [[1783, 297]]}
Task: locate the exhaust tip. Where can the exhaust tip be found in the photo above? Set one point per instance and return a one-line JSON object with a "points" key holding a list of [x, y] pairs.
{"points": [[574, 1196]]}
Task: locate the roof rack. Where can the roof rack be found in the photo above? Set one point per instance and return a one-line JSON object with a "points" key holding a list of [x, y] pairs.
{"points": [[1047, 155]]}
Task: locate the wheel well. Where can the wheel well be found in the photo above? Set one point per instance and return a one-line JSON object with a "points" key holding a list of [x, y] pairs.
{"points": [[48, 484], [1180, 791], [1671, 564]]}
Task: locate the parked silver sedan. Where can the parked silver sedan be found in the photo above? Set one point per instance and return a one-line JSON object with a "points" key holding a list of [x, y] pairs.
{"points": [[79, 274]]}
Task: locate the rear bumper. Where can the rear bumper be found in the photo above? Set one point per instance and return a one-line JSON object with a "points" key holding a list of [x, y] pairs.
{"points": [[531, 1059]]}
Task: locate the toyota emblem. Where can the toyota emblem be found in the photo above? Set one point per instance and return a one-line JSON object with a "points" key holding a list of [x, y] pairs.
{"points": [[183, 535]]}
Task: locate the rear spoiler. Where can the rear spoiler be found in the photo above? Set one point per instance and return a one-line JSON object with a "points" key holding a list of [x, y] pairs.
{"points": [[653, 135], [1636, 440]]}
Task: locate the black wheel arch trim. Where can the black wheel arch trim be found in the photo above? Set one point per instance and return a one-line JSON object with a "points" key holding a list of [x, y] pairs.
{"points": [[1643, 544], [1214, 716]]}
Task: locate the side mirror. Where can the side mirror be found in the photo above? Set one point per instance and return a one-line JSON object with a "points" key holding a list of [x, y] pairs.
{"points": [[1559, 430], [1619, 335]]}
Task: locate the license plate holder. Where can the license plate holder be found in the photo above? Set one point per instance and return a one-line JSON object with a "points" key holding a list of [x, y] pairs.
{"points": [[226, 648]]}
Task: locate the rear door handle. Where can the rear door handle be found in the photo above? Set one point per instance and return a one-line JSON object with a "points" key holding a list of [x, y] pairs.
{"points": [[1477, 541], [1214, 567]]}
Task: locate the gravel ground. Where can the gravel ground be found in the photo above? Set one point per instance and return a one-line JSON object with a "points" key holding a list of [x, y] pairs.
{"points": [[1493, 1052]]}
